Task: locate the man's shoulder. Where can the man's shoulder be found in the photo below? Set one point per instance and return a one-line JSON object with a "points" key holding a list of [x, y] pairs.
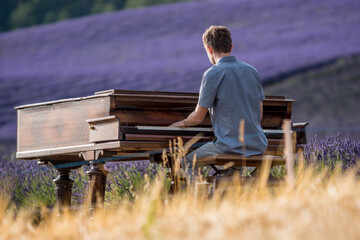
{"points": [[218, 69], [213, 71], [248, 66], [250, 69]]}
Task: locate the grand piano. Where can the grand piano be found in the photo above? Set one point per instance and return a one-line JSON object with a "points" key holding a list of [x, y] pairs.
{"points": [[120, 123]]}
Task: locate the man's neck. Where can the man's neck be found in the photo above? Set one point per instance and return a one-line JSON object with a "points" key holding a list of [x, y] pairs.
{"points": [[218, 56]]}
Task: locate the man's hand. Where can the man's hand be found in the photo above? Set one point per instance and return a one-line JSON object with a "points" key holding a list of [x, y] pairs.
{"points": [[180, 124], [195, 118]]}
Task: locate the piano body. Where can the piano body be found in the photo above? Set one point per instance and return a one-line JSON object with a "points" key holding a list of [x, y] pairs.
{"points": [[118, 122]]}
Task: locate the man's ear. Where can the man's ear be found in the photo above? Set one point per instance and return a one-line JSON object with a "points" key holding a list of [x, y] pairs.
{"points": [[209, 49]]}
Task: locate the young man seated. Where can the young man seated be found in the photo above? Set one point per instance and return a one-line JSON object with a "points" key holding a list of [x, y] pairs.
{"points": [[231, 91]]}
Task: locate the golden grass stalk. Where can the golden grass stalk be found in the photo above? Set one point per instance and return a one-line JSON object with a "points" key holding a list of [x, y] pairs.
{"points": [[288, 151], [319, 206]]}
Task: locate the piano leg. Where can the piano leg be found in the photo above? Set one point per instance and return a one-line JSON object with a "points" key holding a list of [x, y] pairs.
{"points": [[63, 187], [97, 182]]}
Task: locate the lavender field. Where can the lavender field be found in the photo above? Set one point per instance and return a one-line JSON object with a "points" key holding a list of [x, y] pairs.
{"points": [[159, 48], [305, 50], [27, 184]]}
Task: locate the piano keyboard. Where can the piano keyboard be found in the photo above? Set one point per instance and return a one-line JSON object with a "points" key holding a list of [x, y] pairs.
{"points": [[156, 128], [274, 131], [199, 129]]}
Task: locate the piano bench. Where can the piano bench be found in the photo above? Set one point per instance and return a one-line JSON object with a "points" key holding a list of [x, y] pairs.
{"points": [[226, 182], [236, 160]]}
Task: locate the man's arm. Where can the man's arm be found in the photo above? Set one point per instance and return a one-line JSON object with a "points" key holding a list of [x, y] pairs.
{"points": [[195, 118], [261, 110]]}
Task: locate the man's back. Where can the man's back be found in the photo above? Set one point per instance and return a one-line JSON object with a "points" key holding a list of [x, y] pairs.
{"points": [[232, 91]]}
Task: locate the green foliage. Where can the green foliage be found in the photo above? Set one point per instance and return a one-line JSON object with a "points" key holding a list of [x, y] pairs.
{"points": [[23, 13], [278, 171], [7, 6], [128, 183], [34, 190], [143, 3]]}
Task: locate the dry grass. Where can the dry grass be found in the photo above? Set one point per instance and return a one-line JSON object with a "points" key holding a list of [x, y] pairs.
{"points": [[308, 205], [316, 206]]}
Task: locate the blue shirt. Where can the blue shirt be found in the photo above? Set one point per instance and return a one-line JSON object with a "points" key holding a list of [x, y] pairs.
{"points": [[232, 91]]}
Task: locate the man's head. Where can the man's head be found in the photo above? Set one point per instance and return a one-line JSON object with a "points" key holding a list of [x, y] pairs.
{"points": [[217, 40]]}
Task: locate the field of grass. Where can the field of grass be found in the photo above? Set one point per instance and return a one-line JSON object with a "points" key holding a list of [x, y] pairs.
{"points": [[77, 57], [320, 205], [28, 184]]}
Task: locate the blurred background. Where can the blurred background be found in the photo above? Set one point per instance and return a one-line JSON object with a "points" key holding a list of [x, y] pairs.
{"points": [[305, 50]]}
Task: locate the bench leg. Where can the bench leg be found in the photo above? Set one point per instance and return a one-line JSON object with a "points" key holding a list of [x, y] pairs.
{"points": [[97, 182], [63, 187]]}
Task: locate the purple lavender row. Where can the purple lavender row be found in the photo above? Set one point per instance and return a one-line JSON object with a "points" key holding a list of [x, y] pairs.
{"points": [[145, 49], [333, 150], [27, 184]]}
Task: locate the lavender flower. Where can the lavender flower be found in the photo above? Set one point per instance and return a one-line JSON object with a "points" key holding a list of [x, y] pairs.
{"points": [[29, 184], [159, 48], [333, 150]]}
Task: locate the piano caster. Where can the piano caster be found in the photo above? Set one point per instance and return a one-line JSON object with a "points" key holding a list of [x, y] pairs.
{"points": [[97, 182], [63, 187]]}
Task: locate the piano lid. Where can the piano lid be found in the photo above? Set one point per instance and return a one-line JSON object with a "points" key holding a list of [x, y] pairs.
{"points": [[147, 98], [150, 93]]}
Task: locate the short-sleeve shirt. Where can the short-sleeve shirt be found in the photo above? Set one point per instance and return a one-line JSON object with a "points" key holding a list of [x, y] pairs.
{"points": [[232, 91]]}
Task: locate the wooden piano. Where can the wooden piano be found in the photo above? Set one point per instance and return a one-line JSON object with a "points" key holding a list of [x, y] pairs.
{"points": [[118, 122]]}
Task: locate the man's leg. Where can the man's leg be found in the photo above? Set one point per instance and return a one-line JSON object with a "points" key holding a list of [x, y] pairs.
{"points": [[203, 151]]}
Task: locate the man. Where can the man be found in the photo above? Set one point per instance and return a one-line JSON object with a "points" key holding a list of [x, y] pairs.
{"points": [[231, 91]]}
